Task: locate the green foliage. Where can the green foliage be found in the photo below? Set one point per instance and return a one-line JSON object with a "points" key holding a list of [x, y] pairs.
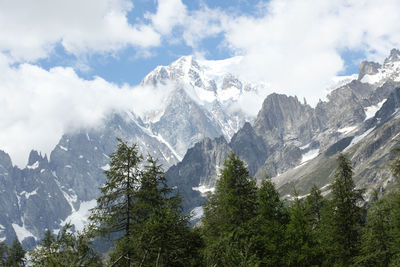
{"points": [[16, 255], [395, 163], [301, 245], [343, 220], [377, 236], [269, 225], [65, 249], [315, 202], [3, 253], [137, 204], [114, 212], [227, 214]]}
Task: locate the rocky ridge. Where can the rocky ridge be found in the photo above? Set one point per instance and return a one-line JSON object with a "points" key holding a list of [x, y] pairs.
{"points": [[297, 144]]}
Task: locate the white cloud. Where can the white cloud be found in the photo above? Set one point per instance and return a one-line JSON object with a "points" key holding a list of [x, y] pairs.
{"points": [[38, 106], [296, 45], [29, 30], [170, 13], [293, 45]]}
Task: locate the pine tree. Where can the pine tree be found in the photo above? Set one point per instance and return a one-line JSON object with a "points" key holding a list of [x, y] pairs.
{"points": [[227, 214], [301, 244], [65, 249], [343, 226], [377, 235], [3, 253], [314, 205], [395, 212], [161, 236], [395, 163], [269, 225], [114, 213], [16, 255]]}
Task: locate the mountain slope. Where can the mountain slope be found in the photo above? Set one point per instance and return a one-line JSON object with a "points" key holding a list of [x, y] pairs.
{"points": [[297, 144], [51, 191]]}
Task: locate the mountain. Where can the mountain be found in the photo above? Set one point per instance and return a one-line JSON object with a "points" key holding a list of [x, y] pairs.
{"points": [[297, 145], [194, 130], [61, 187]]}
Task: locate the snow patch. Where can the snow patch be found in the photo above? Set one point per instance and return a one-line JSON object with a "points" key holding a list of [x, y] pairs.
{"points": [[29, 194], [373, 78], [197, 213], [305, 146], [313, 153], [228, 93], [106, 167], [204, 189], [346, 130], [34, 165], [79, 217], [371, 110], [358, 138], [22, 232], [388, 71], [204, 95], [63, 148]]}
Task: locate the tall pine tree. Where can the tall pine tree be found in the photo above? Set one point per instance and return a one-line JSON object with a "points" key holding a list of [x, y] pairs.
{"points": [[377, 236], [114, 211], [269, 225], [16, 255], [343, 225], [227, 214]]}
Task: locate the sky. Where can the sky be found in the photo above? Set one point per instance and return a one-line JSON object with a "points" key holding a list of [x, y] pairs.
{"points": [[64, 64]]}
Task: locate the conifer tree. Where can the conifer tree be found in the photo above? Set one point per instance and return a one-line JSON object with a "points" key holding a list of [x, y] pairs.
{"points": [[227, 214], [3, 253], [16, 255], [114, 213], [314, 205], [301, 245], [395, 211], [269, 225], [65, 249], [161, 235], [377, 236], [343, 226]]}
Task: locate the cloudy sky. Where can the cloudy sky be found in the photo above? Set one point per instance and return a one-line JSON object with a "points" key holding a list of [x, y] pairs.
{"points": [[64, 64]]}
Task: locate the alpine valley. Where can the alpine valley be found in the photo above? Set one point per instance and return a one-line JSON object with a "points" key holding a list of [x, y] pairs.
{"points": [[197, 127]]}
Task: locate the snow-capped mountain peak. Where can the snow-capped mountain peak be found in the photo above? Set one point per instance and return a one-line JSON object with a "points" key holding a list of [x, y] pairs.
{"points": [[377, 74]]}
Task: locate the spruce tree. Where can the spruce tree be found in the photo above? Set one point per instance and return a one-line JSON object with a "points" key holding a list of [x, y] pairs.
{"points": [[65, 249], [3, 253], [345, 220], [269, 225], [227, 214], [377, 236], [114, 213], [301, 244], [314, 205], [161, 235], [16, 255]]}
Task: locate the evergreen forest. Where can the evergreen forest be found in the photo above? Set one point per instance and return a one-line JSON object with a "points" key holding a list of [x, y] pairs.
{"points": [[245, 223]]}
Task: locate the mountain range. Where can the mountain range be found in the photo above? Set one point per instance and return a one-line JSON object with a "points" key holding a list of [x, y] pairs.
{"points": [[204, 119]]}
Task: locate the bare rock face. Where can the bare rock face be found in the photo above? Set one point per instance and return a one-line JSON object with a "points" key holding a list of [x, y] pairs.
{"points": [[284, 119], [185, 122], [198, 172], [250, 147], [368, 67]]}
